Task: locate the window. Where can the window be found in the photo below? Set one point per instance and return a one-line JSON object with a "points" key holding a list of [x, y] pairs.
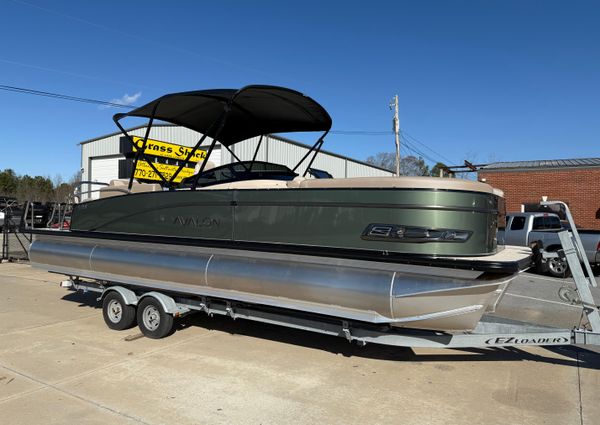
{"points": [[238, 171], [546, 223], [518, 223], [319, 174]]}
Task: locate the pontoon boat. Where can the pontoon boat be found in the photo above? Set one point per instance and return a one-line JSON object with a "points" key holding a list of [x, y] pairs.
{"points": [[416, 252]]}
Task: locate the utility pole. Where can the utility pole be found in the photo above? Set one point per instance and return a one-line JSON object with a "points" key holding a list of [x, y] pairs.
{"points": [[394, 107]]}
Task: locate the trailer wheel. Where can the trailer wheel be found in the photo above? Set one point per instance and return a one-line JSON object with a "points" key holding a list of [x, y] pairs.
{"points": [[152, 319], [117, 314]]}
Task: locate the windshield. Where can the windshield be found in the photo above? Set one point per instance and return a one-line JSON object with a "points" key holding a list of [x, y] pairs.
{"points": [[245, 170]]}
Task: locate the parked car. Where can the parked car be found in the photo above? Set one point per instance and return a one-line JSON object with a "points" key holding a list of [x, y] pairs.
{"points": [[526, 228]]}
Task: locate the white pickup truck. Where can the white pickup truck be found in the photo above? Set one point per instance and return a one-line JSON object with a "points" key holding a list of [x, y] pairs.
{"points": [[526, 228]]}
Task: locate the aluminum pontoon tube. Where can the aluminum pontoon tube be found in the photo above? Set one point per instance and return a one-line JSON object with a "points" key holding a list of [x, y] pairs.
{"points": [[398, 294]]}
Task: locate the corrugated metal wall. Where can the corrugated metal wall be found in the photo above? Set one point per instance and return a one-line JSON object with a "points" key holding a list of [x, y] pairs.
{"points": [[272, 149]]}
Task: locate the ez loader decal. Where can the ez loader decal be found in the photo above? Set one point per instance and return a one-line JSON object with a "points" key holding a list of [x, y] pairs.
{"points": [[512, 340]]}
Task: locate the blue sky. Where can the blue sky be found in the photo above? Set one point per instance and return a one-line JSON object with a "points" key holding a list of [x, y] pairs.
{"points": [[482, 80]]}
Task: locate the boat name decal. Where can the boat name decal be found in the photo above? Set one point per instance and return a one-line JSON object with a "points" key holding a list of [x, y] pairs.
{"points": [[195, 221], [505, 340], [401, 233]]}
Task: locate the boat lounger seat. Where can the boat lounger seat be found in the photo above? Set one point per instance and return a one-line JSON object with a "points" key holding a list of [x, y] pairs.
{"points": [[119, 187], [249, 184], [397, 182], [360, 182]]}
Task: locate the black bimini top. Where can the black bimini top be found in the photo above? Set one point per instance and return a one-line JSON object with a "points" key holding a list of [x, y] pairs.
{"points": [[248, 112]]}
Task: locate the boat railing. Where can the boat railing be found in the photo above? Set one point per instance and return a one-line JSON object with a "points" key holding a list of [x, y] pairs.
{"points": [[106, 187], [59, 215]]}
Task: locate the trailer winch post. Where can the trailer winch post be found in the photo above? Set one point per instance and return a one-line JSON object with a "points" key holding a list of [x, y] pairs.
{"points": [[576, 240], [581, 282], [575, 255]]}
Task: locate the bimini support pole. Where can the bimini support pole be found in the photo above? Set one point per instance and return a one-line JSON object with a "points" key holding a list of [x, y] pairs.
{"points": [[232, 153], [256, 151], [313, 158], [188, 157], [316, 148], [221, 122], [140, 151]]}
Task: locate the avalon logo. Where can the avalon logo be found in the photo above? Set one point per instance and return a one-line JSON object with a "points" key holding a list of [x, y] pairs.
{"points": [[195, 221]]}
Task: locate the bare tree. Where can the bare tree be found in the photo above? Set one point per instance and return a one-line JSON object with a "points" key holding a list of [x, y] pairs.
{"points": [[409, 165]]}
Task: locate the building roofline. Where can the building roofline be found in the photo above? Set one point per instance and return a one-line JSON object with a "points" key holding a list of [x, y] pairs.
{"points": [[527, 169], [281, 138], [544, 164]]}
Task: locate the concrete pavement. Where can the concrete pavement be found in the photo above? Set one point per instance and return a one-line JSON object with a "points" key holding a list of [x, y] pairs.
{"points": [[60, 364]]}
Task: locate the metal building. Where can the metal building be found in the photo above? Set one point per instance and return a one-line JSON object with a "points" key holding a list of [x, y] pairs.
{"points": [[100, 156]]}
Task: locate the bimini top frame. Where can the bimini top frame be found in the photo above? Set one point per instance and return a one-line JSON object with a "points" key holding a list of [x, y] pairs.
{"points": [[230, 116]]}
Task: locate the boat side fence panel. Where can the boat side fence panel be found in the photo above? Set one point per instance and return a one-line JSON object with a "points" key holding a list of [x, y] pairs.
{"points": [[15, 238]]}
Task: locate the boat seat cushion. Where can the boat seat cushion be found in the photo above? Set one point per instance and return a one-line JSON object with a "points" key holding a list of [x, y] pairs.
{"points": [[109, 191], [398, 182], [361, 182], [248, 184]]}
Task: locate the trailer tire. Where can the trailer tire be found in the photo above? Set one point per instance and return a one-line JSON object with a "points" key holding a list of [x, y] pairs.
{"points": [[117, 315], [152, 319]]}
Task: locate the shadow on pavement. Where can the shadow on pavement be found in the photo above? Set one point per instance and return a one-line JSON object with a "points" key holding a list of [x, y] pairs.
{"points": [[336, 345], [573, 356], [85, 299]]}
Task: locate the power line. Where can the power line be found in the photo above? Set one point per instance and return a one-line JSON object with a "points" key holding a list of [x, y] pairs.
{"points": [[414, 139], [408, 144], [63, 96], [417, 151], [71, 74], [142, 38]]}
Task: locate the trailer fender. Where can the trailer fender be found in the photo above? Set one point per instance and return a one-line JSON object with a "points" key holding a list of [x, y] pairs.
{"points": [[168, 304], [128, 295]]}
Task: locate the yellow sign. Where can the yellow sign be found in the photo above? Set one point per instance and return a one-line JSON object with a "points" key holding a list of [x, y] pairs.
{"points": [[167, 150], [144, 171]]}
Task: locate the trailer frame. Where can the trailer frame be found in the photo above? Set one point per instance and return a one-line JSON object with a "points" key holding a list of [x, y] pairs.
{"points": [[490, 332]]}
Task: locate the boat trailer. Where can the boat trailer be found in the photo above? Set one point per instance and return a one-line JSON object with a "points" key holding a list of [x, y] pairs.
{"points": [[156, 312]]}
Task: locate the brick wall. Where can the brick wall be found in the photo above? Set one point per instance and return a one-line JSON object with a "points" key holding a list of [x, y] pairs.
{"points": [[579, 188]]}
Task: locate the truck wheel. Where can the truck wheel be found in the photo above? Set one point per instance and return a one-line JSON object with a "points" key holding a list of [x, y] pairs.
{"points": [[153, 321], [558, 267], [117, 314]]}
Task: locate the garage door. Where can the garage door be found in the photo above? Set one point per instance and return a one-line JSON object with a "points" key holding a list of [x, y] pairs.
{"points": [[104, 170]]}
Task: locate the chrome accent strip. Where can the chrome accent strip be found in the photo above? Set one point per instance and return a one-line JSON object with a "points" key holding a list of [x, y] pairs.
{"points": [[441, 314]]}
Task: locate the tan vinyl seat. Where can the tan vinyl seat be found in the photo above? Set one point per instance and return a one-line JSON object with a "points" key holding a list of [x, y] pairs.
{"points": [[361, 182], [249, 184], [295, 184], [398, 182], [119, 187], [209, 165]]}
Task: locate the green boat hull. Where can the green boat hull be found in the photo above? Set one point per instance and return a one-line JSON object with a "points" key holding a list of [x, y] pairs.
{"points": [[325, 218]]}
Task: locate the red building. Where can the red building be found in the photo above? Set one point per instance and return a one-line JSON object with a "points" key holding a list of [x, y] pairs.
{"points": [[574, 181]]}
